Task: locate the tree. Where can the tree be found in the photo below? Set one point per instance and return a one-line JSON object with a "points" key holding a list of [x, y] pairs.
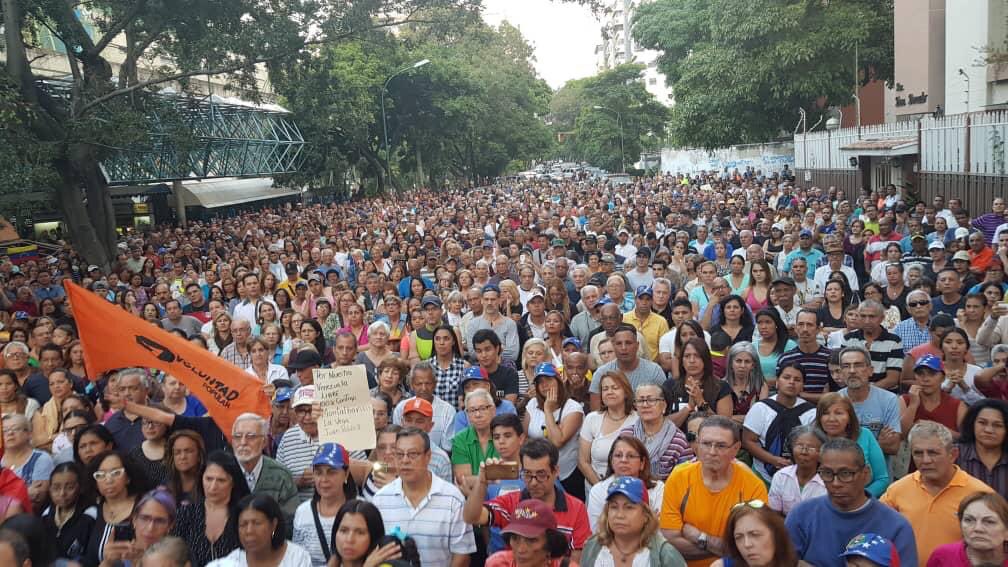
{"points": [[742, 68]]}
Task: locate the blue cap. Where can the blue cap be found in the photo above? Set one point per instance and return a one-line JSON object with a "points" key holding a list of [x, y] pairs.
{"points": [[572, 341], [333, 455], [430, 300], [606, 300], [545, 369], [874, 548], [283, 394], [474, 373], [490, 287], [21, 315], [629, 486], [805, 232], [930, 361], [643, 290]]}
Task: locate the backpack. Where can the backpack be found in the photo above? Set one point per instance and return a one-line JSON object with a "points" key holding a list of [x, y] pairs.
{"points": [[777, 434]]}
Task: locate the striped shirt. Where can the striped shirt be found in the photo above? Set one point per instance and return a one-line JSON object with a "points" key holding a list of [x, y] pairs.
{"points": [[436, 524], [444, 417], [818, 379], [296, 453], [886, 352]]}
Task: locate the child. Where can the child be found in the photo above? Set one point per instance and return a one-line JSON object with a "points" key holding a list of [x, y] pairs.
{"points": [[870, 550]]}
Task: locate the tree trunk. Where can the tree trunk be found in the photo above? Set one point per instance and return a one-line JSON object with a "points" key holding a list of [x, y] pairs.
{"points": [[82, 232]]}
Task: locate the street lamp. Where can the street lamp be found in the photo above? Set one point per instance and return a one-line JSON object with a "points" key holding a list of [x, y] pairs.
{"points": [[619, 123], [417, 65]]}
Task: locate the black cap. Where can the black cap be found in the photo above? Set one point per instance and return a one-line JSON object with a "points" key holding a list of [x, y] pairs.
{"points": [[644, 251], [304, 358], [784, 280], [291, 268]]}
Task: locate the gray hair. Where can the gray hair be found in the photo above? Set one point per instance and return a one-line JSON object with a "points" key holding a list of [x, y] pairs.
{"points": [[858, 349], [378, 325], [174, 549], [662, 281], [424, 366], [18, 419], [139, 372], [756, 380], [998, 349], [477, 394], [871, 304], [590, 287], [918, 291], [932, 430], [249, 416], [801, 430], [16, 345]]}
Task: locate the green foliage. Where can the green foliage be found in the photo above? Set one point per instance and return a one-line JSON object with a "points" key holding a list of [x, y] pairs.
{"points": [[742, 68]]}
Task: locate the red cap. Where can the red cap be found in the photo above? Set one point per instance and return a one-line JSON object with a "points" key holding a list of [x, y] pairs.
{"points": [[531, 518], [419, 405]]}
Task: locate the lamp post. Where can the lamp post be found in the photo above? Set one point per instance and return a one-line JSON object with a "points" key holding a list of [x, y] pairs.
{"points": [[619, 123], [417, 65]]}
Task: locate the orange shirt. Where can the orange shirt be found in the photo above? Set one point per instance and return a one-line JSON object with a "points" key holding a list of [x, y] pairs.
{"points": [[980, 261], [688, 501], [933, 518]]}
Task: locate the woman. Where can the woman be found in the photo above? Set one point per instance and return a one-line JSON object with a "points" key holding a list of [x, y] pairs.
{"points": [[983, 444], [552, 414], [745, 377], [185, 457], [152, 520], [12, 398], [169, 552], [209, 523], [757, 293], [983, 519], [667, 446], [31, 465], [261, 534], [835, 417], [150, 455], [721, 258], [262, 367], [534, 352], [892, 254], [47, 425], [773, 246], [273, 335], [876, 292], [357, 528], [832, 310], [533, 539], [796, 483], [69, 518], [396, 320], [755, 536], [601, 427], [734, 324], [627, 458], [960, 376], [627, 532], [558, 300], [448, 364], [356, 326], [91, 441], [854, 246], [556, 331], [377, 350], [738, 280], [76, 416], [267, 314], [311, 333], [75, 361], [119, 485], [927, 399], [687, 330], [698, 385], [314, 519], [151, 314], [221, 336], [771, 341], [392, 374], [283, 300], [178, 400]]}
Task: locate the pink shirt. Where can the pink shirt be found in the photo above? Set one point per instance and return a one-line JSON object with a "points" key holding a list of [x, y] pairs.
{"points": [[951, 555]]}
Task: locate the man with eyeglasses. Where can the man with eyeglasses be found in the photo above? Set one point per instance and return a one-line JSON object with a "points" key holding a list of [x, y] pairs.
{"points": [[263, 474], [877, 409], [913, 331], [821, 527], [33, 384], [886, 348], [425, 506], [540, 470], [700, 496], [300, 443], [418, 412]]}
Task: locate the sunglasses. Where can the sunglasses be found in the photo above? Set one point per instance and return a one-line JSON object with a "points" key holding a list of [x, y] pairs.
{"points": [[918, 303]]}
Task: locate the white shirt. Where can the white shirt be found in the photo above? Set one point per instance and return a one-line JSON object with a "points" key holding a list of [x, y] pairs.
{"points": [[666, 343], [758, 421], [970, 395], [591, 431], [537, 429], [306, 536], [597, 499], [785, 493], [294, 556], [444, 417], [273, 373], [246, 310], [822, 275]]}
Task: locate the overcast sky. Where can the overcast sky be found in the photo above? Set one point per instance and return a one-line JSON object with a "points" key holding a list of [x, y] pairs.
{"points": [[564, 35]]}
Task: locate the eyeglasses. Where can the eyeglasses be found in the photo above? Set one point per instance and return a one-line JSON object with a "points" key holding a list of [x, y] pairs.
{"points": [[16, 355], [110, 475], [918, 303], [715, 447], [806, 449], [15, 430], [302, 410], [754, 504], [626, 457], [644, 402], [152, 520], [409, 455], [239, 437], [538, 476], [149, 423], [844, 475], [480, 409]]}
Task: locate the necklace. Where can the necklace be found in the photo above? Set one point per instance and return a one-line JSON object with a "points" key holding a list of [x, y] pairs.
{"points": [[624, 556]]}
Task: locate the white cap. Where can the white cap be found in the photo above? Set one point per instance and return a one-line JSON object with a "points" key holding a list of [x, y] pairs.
{"points": [[303, 395]]}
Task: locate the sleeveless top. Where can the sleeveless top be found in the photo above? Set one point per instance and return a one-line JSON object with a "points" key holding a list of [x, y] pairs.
{"points": [[755, 304]]}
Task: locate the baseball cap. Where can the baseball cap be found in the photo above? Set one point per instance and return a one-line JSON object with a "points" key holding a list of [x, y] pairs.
{"points": [[805, 232], [784, 280], [91, 268], [315, 277], [536, 293], [531, 518], [604, 301], [643, 251], [929, 361], [608, 258], [961, 255], [333, 455], [545, 369], [834, 248], [304, 358], [631, 487], [961, 232], [936, 245], [419, 405], [558, 242], [430, 300], [474, 373], [301, 283], [572, 341], [21, 315], [942, 320], [874, 548], [291, 268], [490, 287], [282, 395], [918, 236], [304, 395], [643, 290]]}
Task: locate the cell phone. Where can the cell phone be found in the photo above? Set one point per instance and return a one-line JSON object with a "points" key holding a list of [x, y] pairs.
{"points": [[124, 532], [502, 471]]}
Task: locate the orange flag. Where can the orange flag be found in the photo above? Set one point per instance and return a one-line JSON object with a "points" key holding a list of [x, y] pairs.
{"points": [[113, 338]]}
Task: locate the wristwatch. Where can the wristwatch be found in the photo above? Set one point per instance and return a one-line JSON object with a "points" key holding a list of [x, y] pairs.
{"points": [[702, 540]]}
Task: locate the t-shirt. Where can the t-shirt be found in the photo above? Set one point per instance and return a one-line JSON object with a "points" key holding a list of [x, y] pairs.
{"points": [[537, 428], [571, 515], [591, 431], [759, 419], [647, 372], [687, 500], [952, 555], [294, 556], [820, 532], [880, 409], [818, 379], [505, 379]]}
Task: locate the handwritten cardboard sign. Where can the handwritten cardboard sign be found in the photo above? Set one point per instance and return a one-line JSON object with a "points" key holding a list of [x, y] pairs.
{"points": [[347, 415]]}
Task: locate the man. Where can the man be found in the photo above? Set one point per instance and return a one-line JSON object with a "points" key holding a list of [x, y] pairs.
{"points": [[624, 249], [197, 304], [701, 294], [929, 497], [503, 327], [474, 303], [489, 351], [248, 308], [662, 304], [533, 322], [587, 320], [616, 292], [961, 265], [611, 318], [650, 325], [682, 310], [176, 320], [540, 470], [303, 362], [509, 437], [694, 512], [821, 527], [44, 288], [835, 263], [811, 356], [782, 291], [637, 369], [423, 383], [413, 270], [642, 274], [877, 409], [768, 422], [918, 253], [126, 427], [913, 331], [950, 299], [419, 413], [263, 474], [237, 352], [421, 339], [981, 255], [424, 506], [886, 348], [805, 251], [877, 244], [300, 443], [33, 384]]}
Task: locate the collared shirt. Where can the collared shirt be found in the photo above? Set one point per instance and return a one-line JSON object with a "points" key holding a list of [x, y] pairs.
{"points": [[996, 478], [466, 449], [296, 451], [652, 327], [230, 353], [444, 417], [932, 517], [785, 493], [435, 524], [127, 434], [251, 478], [571, 514], [911, 333], [886, 351], [448, 380]]}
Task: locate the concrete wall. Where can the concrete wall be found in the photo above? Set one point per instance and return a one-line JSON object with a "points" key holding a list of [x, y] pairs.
{"points": [[919, 42], [967, 31], [766, 157]]}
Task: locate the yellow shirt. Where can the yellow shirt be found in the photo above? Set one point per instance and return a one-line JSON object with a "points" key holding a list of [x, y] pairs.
{"points": [[651, 329], [933, 518], [707, 511]]}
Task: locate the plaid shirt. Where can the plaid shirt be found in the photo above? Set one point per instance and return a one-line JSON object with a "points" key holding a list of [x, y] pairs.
{"points": [[448, 380], [230, 353], [912, 334]]}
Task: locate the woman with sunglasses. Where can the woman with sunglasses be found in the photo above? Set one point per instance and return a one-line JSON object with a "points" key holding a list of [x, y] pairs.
{"points": [[755, 536], [120, 484]]}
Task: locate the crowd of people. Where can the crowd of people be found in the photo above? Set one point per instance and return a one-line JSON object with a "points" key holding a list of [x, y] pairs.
{"points": [[716, 369]]}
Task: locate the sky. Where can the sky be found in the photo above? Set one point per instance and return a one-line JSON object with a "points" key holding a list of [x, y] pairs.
{"points": [[564, 35]]}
